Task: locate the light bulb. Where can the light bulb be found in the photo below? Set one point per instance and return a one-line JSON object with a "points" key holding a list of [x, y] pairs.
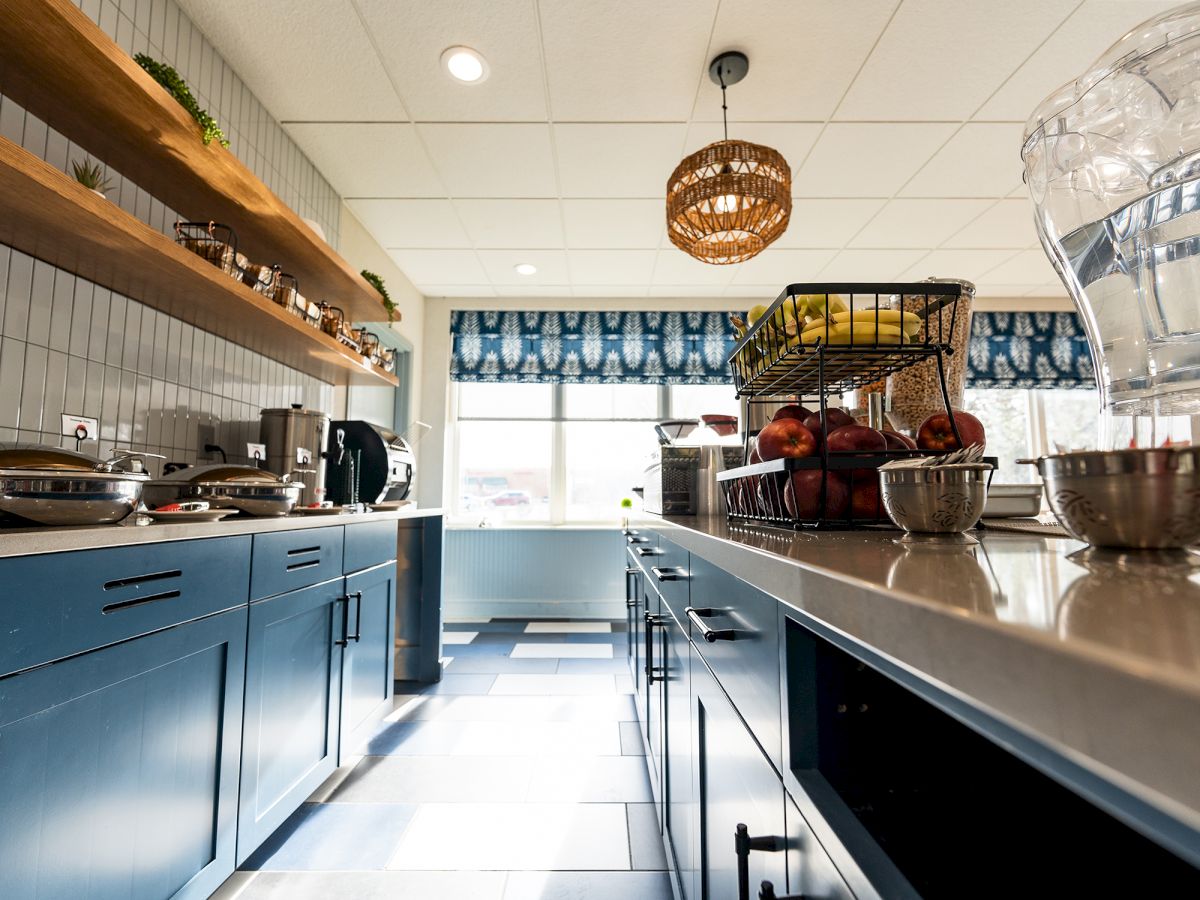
{"points": [[726, 203], [525, 269], [464, 64]]}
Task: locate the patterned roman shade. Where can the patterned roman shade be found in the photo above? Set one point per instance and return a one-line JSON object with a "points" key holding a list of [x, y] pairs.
{"points": [[1028, 350], [626, 347]]}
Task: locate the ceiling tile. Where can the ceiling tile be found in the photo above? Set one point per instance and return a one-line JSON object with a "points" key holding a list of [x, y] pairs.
{"points": [[803, 56], [988, 290], [304, 61], [369, 160], [918, 223], [614, 224], [612, 290], [673, 266], [410, 223], [685, 290], [827, 223], [779, 268], [618, 160], [1008, 223], [412, 34], [1090, 30], [970, 265], [551, 266], [512, 223], [1047, 290], [425, 267], [492, 159], [1027, 267], [905, 78], [867, 159], [981, 160], [624, 60], [792, 139], [869, 265], [533, 290], [434, 291], [601, 267]]}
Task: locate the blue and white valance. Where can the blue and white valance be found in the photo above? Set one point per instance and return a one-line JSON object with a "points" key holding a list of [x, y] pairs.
{"points": [[1028, 350], [625, 347]]}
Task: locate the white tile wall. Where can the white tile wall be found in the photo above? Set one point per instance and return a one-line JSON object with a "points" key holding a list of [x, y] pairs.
{"points": [[154, 382]]}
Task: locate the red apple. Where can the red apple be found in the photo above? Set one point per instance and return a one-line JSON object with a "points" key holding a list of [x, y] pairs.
{"points": [[754, 457], [792, 411], [864, 496], [856, 437], [936, 433], [771, 494], [834, 419], [802, 496], [897, 441], [785, 438]]}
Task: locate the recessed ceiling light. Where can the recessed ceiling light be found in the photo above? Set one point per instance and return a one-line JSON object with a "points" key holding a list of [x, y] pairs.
{"points": [[525, 269], [465, 64]]}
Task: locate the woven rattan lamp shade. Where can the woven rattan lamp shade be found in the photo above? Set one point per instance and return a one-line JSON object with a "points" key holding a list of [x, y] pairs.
{"points": [[728, 201]]}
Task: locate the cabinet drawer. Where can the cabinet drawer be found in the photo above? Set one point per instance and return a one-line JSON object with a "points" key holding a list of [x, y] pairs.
{"points": [[60, 604], [670, 572], [369, 544], [811, 872], [288, 560], [744, 654]]}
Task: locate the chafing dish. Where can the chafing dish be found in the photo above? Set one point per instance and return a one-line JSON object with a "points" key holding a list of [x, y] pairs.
{"points": [[255, 492], [52, 486]]}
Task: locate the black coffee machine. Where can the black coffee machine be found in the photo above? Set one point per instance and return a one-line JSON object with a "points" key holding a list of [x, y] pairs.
{"points": [[365, 463]]}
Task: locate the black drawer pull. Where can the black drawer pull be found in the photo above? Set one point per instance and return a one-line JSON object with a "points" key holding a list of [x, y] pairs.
{"points": [[357, 636], [652, 671], [767, 892], [300, 550], [345, 638], [675, 573], [628, 532], [634, 539], [712, 635], [743, 844], [648, 551], [141, 579], [138, 601], [296, 567]]}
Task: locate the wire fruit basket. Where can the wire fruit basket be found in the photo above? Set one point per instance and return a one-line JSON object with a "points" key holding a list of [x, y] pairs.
{"points": [[817, 341]]}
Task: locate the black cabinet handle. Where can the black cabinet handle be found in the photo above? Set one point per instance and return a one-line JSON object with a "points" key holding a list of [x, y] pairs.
{"points": [[743, 844], [767, 892], [648, 551], [675, 573], [635, 539], [712, 635], [651, 621], [345, 638], [629, 532], [357, 636]]}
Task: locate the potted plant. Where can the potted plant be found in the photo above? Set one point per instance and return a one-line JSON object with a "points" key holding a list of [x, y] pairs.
{"points": [[91, 176], [376, 282]]}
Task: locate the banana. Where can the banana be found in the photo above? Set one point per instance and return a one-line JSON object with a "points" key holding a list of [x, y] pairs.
{"points": [[859, 332], [819, 305], [910, 322]]}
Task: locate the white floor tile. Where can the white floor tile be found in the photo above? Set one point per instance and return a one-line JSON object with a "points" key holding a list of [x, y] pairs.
{"points": [[515, 836], [553, 685], [603, 708], [233, 886], [569, 628], [459, 637], [562, 651]]}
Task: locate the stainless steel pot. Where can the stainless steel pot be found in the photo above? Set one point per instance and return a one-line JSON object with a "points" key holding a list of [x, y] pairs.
{"points": [[253, 491], [52, 486], [1143, 499]]}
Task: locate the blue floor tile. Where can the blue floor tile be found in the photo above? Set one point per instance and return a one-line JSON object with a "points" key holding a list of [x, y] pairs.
{"points": [[335, 836]]}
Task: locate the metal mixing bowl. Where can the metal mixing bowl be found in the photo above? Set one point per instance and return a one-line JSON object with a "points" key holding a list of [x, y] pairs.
{"points": [[1139, 499], [937, 499]]}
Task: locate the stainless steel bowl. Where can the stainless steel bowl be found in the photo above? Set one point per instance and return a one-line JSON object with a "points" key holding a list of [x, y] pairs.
{"points": [[52, 486], [936, 499], [1139, 499], [253, 491]]}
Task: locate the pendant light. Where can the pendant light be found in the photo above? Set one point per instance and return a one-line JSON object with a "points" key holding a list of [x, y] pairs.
{"points": [[728, 201]]}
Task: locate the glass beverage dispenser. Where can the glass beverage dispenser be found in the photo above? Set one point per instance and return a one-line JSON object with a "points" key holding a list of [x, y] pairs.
{"points": [[1112, 163]]}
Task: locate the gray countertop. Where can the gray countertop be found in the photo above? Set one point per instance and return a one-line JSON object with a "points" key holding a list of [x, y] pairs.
{"points": [[1094, 655], [142, 530]]}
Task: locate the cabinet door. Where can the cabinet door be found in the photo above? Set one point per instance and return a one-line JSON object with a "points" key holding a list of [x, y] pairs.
{"points": [[679, 811], [633, 612], [655, 643], [119, 768], [367, 660], [293, 682], [736, 785]]}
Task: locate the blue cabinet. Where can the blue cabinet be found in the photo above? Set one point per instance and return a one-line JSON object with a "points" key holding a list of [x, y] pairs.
{"points": [[367, 658], [119, 767], [293, 686]]}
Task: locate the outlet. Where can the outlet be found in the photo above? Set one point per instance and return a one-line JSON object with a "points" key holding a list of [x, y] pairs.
{"points": [[205, 434]]}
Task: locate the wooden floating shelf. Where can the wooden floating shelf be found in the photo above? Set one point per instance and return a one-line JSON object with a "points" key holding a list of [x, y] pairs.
{"points": [[49, 215], [60, 66]]}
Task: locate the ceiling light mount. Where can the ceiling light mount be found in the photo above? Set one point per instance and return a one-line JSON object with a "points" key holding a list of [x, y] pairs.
{"points": [[728, 68], [465, 64]]}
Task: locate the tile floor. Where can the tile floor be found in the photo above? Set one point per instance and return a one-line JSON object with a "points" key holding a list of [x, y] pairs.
{"points": [[519, 776]]}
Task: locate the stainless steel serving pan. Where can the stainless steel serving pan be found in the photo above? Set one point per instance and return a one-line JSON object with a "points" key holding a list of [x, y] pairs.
{"points": [[255, 492], [52, 486]]}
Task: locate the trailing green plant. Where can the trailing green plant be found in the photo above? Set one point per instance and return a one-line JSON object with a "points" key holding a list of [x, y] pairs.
{"points": [[177, 88], [91, 176], [376, 282]]}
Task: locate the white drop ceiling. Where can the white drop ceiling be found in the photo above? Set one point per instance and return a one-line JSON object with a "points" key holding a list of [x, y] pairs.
{"points": [[901, 119]]}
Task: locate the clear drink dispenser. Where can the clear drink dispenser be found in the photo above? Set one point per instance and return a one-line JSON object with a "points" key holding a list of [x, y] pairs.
{"points": [[1112, 163]]}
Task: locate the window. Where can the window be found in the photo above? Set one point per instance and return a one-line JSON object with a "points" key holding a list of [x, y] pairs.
{"points": [[542, 453]]}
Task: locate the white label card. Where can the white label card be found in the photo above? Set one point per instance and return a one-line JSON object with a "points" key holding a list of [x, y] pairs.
{"points": [[256, 451], [303, 456], [80, 427]]}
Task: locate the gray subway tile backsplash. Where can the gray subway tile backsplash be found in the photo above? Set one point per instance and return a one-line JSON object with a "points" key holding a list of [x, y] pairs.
{"points": [[153, 381]]}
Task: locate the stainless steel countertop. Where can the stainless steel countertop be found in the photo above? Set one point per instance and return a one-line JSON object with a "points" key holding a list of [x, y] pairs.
{"points": [[1092, 654], [142, 530]]}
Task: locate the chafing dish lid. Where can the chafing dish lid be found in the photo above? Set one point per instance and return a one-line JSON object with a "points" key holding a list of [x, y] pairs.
{"points": [[223, 473], [34, 456]]}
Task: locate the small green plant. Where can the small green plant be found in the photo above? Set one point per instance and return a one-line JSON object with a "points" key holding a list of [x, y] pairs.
{"points": [[376, 282], [91, 176], [177, 88], [626, 503]]}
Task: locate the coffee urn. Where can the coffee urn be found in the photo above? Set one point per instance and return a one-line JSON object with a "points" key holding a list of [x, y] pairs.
{"points": [[296, 440]]}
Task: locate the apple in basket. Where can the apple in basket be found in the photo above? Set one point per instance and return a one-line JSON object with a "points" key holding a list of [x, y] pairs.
{"points": [[936, 433], [834, 419], [785, 438], [864, 495], [792, 411], [897, 441], [802, 496]]}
